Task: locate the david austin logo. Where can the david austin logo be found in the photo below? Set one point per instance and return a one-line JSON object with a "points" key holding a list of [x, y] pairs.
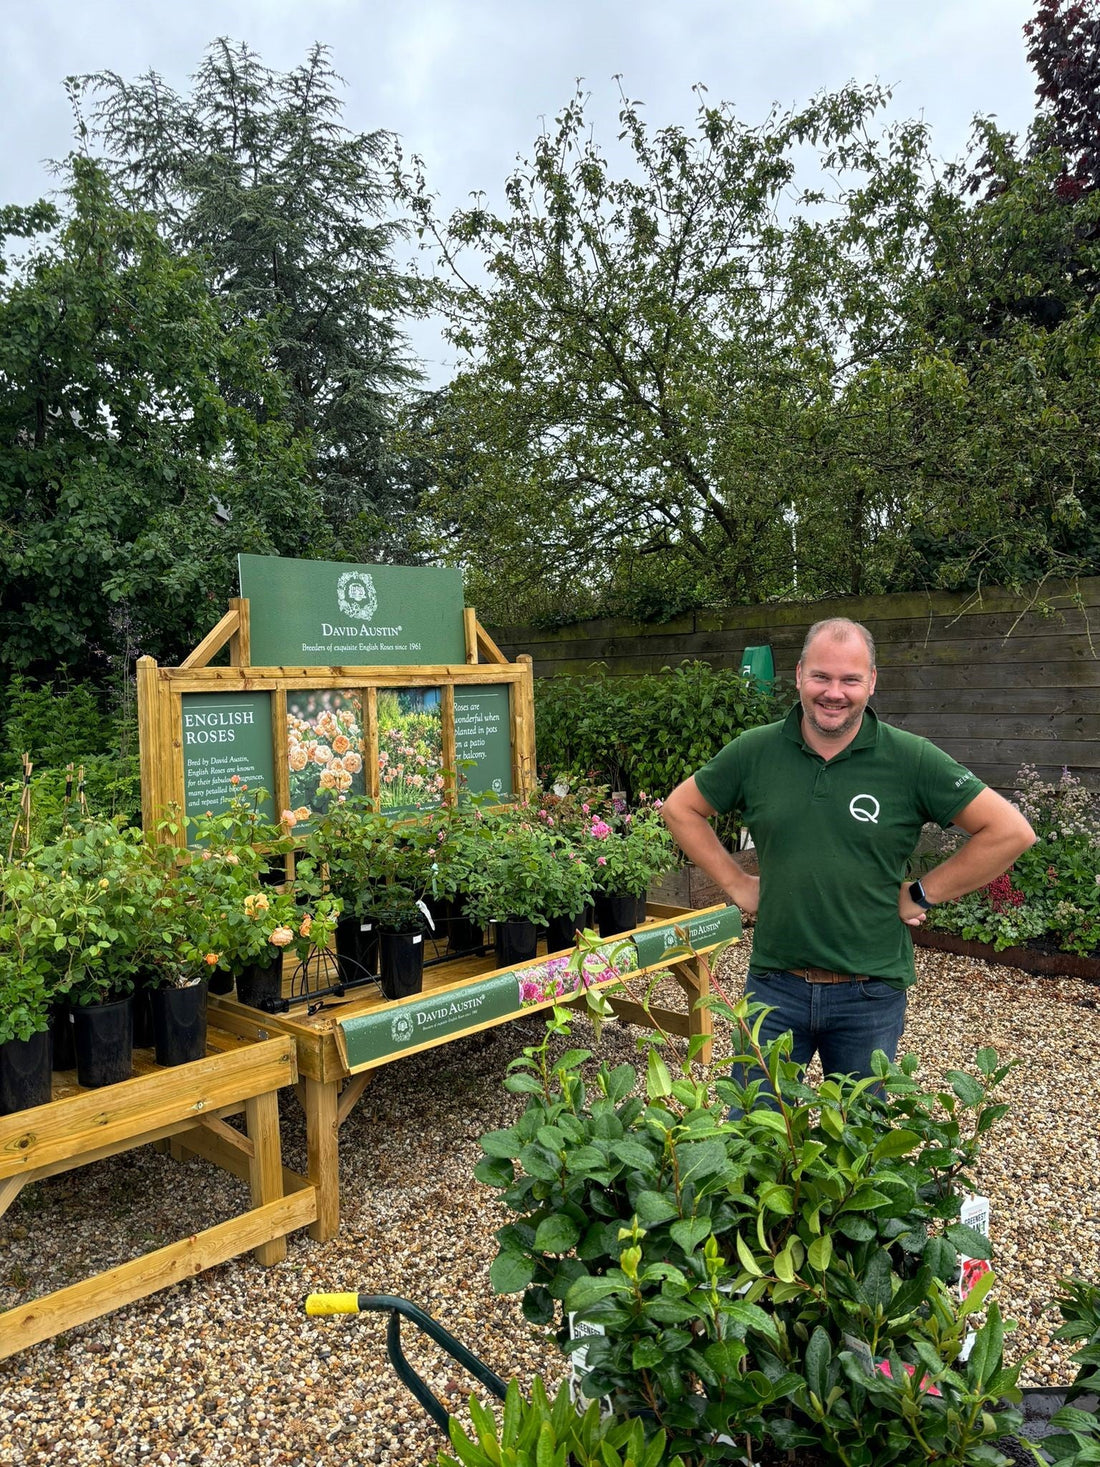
{"points": [[356, 594], [401, 1030], [864, 808]]}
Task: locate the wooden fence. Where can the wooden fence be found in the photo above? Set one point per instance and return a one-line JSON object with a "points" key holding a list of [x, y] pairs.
{"points": [[995, 681]]}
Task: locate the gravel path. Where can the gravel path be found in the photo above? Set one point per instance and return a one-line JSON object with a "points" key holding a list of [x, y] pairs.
{"points": [[227, 1369]]}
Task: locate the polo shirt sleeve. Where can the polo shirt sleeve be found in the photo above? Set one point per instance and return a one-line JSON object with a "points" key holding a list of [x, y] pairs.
{"points": [[945, 786], [720, 781]]}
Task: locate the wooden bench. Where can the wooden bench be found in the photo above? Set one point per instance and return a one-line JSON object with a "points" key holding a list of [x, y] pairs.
{"points": [[188, 1103]]}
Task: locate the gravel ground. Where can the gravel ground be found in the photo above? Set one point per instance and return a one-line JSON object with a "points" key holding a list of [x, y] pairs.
{"points": [[227, 1369]]}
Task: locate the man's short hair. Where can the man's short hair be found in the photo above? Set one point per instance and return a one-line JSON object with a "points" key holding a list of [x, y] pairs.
{"points": [[840, 628]]}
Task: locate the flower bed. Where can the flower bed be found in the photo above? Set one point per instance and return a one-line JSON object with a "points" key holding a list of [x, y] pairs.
{"points": [[1048, 904]]}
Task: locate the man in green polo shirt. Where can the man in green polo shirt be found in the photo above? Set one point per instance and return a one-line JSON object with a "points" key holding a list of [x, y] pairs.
{"points": [[835, 800]]}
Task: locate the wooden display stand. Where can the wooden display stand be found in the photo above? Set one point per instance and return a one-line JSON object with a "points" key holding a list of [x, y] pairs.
{"points": [[331, 1085], [187, 1103]]}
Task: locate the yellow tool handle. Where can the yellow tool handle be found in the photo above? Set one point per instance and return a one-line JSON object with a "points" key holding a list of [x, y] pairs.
{"points": [[332, 1303]]}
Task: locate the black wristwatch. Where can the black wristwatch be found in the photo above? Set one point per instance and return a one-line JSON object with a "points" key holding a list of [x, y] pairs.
{"points": [[916, 894]]}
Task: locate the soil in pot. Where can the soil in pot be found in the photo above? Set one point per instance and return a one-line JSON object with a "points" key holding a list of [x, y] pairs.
{"points": [[517, 941], [26, 1072], [261, 984], [179, 1023], [620, 913], [104, 1039], [401, 968]]}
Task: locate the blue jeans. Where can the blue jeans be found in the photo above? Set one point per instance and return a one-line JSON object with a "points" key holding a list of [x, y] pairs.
{"points": [[843, 1022]]}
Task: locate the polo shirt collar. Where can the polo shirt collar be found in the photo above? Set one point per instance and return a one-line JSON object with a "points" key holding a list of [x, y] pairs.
{"points": [[867, 737]]}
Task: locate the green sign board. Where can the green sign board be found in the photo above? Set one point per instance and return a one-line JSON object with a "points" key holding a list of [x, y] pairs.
{"points": [[389, 1032], [322, 613], [225, 734], [703, 932], [483, 729]]}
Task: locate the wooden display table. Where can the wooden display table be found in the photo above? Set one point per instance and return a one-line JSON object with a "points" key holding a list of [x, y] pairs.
{"points": [[187, 1103], [345, 1040]]}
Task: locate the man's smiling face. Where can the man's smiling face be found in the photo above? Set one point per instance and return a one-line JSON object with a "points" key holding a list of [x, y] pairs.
{"points": [[835, 679]]}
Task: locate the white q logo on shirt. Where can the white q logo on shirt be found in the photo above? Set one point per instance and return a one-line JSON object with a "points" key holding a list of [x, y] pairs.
{"points": [[864, 808]]}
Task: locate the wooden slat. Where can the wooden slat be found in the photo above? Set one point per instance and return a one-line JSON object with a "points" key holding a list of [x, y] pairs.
{"points": [[352, 1093], [265, 1167], [323, 1157], [469, 629], [240, 644], [672, 1021], [214, 641], [261, 679], [149, 742], [1044, 704], [168, 1134], [64, 1129], [449, 751], [487, 648], [65, 1308], [940, 725], [10, 1189]]}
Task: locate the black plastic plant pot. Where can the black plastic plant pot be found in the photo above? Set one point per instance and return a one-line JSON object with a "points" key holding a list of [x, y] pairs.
{"points": [[61, 1030], [179, 1023], [261, 983], [220, 982], [615, 914], [517, 941], [401, 966], [104, 1038], [356, 949], [143, 1014], [463, 933], [561, 932], [26, 1072]]}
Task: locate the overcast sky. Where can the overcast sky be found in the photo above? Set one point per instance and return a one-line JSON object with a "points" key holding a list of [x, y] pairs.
{"points": [[468, 83]]}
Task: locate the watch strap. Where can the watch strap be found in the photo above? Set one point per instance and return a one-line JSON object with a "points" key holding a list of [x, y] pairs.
{"points": [[916, 894]]}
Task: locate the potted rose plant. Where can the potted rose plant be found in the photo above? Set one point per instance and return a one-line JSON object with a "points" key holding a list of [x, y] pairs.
{"points": [[626, 852], [525, 877]]}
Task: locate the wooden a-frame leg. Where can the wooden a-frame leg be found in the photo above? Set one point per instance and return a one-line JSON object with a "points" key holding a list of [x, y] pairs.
{"points": [[323, 1155], [265, 1166]]}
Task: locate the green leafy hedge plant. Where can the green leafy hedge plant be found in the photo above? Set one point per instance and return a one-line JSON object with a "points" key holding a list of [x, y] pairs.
{"points": [[645, 734], [782, 1280]]}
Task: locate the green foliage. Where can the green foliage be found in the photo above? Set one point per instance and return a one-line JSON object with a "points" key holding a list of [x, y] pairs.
{"points": [[1053, 889], [785, 1275], [526, 871], [628, 850], [1079, 1305], [292, 216], [545, 1433], [131, 469], [645, 734]]}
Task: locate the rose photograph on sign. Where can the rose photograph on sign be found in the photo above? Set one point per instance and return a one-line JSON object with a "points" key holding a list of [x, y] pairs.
{"points": [[410, 748], [324, 749]]}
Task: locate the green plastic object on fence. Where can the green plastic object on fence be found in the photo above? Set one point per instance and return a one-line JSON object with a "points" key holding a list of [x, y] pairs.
{"points": [[757, 663]]}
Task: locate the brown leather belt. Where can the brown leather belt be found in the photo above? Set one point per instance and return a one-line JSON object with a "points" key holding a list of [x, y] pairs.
{"points": [[826, 975]]}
